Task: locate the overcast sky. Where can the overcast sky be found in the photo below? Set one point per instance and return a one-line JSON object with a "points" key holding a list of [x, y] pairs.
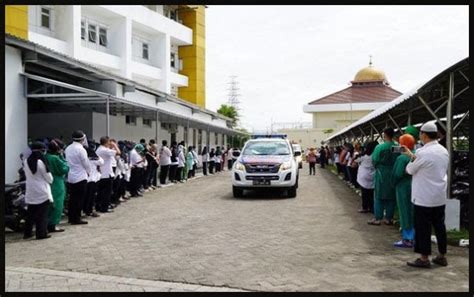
{"points": [[287, 56]]}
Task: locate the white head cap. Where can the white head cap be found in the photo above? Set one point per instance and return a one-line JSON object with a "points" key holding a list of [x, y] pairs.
{"points": [[429, 127]]}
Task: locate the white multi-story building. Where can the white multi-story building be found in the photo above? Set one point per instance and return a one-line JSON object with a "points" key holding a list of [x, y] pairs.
{"points": [[129, 72]]}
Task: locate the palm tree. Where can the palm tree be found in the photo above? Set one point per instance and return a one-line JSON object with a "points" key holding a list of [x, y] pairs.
{"points": [[230, 112]]}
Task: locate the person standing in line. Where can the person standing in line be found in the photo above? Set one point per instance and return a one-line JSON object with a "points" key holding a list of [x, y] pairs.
{"points": [[402, 183], [348, 162], [115, 198], [342, 160], [135, 160], [174, 162], [190, 161], [91, 197], [354, 165], [441, 134], [205, 160], [218, 159], [78, 175], [195, 161], [181, 163], [311, 159], [153, 164], [212, 161], [365, 178], [383, 159], [38, 196], [165, 161], [428, 168], [322, 157], [229, 157], [413, 131], [59, 168], [107, 150]]}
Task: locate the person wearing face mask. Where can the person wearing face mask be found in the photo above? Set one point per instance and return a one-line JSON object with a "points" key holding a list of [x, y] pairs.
{"points": [[79, 171], [428, 168], [59, 168], [38, 195]]}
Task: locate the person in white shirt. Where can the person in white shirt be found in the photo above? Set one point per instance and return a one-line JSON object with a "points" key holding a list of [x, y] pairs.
{"points": [[212, 160], [428, 167], [38, 193], [365, 177], [95, 163], [136, 165], [181, 161], [230, 160], [205, 159], [107, 151], [195, 161], [165, 161], [79, 171]]}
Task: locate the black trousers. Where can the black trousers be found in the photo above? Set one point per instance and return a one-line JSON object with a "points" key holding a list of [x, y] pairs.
{"points": [[204, 168], [172, 172], [211, 166], [91, 198], [38, 215], [218, 166], [343, 168], [164, 173], [367, 199], [425, 218], [230, 162], [191, 172], [135, 180], [117, 181], [323, 161], [354, 176], [104, 193], [152, 175], [179, 172], [338, 166], [194, 170], [312, 168], [76, 200]]}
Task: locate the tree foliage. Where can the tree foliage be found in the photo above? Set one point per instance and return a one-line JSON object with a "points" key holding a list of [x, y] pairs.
{"points": [[230, 112]]}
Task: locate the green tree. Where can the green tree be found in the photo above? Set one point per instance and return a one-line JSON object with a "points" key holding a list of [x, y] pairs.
{"points": [[230, 112]]}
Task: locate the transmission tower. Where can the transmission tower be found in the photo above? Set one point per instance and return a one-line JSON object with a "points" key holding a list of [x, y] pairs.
{"points": [[233, 95]]}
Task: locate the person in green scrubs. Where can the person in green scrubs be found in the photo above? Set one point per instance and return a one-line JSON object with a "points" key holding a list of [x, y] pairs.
{"points": [[59, 168], [402, 183], [383, 160]]}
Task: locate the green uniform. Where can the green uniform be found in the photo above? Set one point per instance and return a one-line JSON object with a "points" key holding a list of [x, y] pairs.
{"points": [[384, 191], [59, 168], [402, 182]]}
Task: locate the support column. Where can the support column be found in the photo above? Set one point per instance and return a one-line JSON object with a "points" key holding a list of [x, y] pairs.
{"points": [[107, 117], [449, 130], [157, 125]]}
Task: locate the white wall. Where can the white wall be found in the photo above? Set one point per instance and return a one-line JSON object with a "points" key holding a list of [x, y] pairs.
{"points": [[120, 130], [16, 114]]}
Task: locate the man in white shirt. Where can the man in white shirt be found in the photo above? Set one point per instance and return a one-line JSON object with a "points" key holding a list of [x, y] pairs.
{"points": [[79, 171], [429, 166], [136, 164], [165, 161], [107, 151]]}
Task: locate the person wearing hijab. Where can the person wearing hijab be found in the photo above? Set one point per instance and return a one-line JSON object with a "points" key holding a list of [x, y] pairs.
{"points": [[95, 162], [38, 195], [205, 160], [402, 182], [79, 171], [59, 168], [218, 159], [181, 163], [190, 161], [413, 131], [212, 161]]}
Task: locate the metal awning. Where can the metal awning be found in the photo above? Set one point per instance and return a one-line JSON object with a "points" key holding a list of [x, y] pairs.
{"points": [[51, 95]]}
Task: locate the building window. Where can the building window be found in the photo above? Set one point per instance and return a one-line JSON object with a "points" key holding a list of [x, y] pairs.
{"points": [[131, 120], [83, 29], [103, 36], [46, 17], [173, 15], [147, 122], [173, 60], [92, 33], [145, 51]]}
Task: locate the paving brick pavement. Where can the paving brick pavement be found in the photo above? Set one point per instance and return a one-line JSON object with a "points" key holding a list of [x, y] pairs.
{"points": [[197, 233]]}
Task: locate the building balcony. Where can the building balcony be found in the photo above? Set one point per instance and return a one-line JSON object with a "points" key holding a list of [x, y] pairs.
{"points": [[100, 58], [178, 79], [145, 70], [50, 42], [155, 21]]}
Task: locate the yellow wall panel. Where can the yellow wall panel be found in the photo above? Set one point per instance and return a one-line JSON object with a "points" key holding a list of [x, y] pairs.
{"points": [[16, 20], [193, 57]]}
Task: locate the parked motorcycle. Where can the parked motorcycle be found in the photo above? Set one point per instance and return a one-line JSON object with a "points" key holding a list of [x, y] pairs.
{"points": [[15, 206]]}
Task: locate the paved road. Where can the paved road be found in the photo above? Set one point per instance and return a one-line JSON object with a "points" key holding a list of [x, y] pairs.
{"points": [[197, 233]]}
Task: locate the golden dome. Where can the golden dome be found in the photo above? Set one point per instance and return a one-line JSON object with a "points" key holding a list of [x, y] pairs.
{"points": [[370, 73]]}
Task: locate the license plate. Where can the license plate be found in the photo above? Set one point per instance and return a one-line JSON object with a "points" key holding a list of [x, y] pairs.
{"points": [[261, 182]]}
